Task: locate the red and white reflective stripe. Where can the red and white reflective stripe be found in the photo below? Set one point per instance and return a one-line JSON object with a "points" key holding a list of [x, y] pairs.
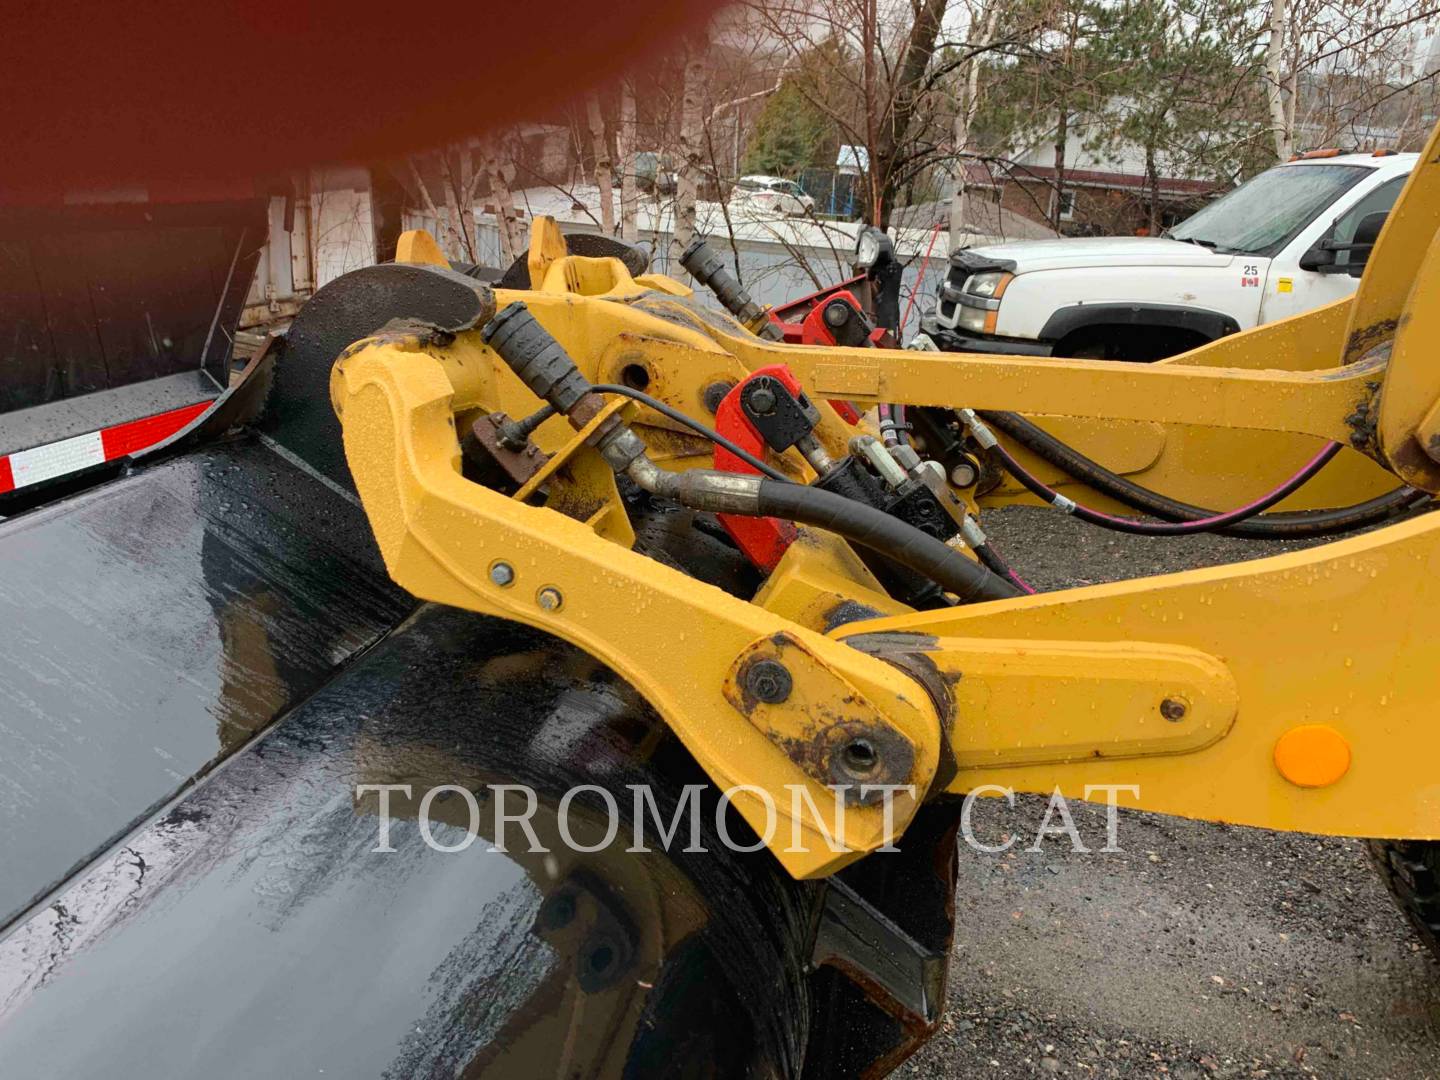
{"points": [[46, 462]]}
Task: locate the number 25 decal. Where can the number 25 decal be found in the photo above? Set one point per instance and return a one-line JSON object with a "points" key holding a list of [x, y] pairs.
{"points": [[1250, 277]]}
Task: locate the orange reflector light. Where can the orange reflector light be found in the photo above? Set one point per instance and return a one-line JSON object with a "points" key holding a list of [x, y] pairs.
{"points": [[1312, 755]]}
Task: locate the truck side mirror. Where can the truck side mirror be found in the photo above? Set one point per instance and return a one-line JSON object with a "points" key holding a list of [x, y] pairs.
{"points": [[1318, 258], [1366, 234]]}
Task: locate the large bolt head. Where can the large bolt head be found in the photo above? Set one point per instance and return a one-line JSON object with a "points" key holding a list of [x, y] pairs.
{"points": [[1174, 709], [768, 681], [715, 393]]}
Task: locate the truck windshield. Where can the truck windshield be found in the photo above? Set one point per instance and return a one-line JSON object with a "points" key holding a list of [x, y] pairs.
{"points": [[1262, 214]]}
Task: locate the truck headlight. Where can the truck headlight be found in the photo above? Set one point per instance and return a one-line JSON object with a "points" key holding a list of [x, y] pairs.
{"points": [[989, 285], [971, 318]]}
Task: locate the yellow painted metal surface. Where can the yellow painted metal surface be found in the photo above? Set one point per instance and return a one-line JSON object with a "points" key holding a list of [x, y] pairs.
{"points": [[821, 583], [825, 724], [1303, 402], [1408, 424], [1214, 467], [418, 246], [581, 486], [1219, 467], [547, 245], [1037, 702], [1341, 635]]}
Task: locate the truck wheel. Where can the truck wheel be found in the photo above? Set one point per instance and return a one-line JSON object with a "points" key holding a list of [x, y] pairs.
{"points": [[1411, 871]]}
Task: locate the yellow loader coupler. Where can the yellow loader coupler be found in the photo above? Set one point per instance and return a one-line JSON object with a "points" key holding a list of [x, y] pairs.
{"points": [[589, 395]]}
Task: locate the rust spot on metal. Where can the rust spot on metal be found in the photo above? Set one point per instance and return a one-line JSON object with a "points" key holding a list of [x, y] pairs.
{"points": [[907, 652], [666, 445], [1365, 338], [486, 447], [1362, 422], [852, 754]]}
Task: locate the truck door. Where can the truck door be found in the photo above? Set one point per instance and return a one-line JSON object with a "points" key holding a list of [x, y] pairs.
{"points": [[1291, 288]]}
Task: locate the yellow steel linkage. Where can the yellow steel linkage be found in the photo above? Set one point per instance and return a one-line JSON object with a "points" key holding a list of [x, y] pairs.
{"points": [[1291, 692]]}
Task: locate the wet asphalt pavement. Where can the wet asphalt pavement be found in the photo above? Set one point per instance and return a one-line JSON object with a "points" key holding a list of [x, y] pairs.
{"points": [[1198, 950]]}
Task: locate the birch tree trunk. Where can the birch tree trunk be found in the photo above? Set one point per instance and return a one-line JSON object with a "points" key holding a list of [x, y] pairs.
{"points": [[604, 167], [468, 187], [512, 240], [430, 207], [1281, 130], [692, 136], [968, 106], [628, 195]]}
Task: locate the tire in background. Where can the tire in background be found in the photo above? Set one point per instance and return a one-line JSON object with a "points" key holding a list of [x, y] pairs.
{"points": [[1411, 871]]}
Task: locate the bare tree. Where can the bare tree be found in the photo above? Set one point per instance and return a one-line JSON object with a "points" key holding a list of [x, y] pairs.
{"points": [[986, 17], [628, 195], [883, 76], [1280, 117], [451, 171], [604, 168], [1349, 71], [692, 135], [512, 237]]}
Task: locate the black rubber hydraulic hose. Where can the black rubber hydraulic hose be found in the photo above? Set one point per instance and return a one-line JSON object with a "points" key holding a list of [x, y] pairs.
{"points": [[987, 554], [888, 535], [1167, 528], [1285, 525]]}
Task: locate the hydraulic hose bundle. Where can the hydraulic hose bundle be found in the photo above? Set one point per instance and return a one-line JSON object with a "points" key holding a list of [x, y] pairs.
{"points": [[543, 365], [987, 439], [1281, 526]]}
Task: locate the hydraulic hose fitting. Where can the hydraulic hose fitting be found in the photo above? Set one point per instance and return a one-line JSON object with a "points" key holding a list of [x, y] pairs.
{"points": [[906, 456], [815, 454], [983, 435], [971, 533], [699, 489], [515, 434], [869, 447], [704, 264]]}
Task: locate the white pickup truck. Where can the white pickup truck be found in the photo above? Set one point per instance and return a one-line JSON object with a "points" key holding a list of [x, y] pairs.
{"points": [[1290, 239]]}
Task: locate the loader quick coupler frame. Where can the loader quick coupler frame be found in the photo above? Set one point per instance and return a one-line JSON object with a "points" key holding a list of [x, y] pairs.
{"points": [[1292, 692]]}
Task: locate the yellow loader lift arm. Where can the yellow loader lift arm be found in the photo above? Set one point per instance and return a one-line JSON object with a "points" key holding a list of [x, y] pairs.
{"points": [[1292, 692]]}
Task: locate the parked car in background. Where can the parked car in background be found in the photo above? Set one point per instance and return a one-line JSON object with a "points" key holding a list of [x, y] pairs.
{"points": [[1290, 239], [773, 194]]}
